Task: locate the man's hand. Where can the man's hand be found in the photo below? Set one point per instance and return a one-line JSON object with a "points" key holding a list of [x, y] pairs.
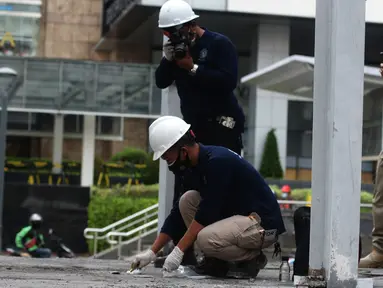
{"points": [[381, 69], [168, 49], [144, 259], [173, 261], [186, 63]]}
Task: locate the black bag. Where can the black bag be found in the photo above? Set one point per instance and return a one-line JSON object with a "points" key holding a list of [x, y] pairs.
{"points": [[302, 241]]}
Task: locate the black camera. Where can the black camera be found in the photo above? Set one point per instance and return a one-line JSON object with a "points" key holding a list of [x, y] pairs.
{"points": [[180, 50], [180, 42]]}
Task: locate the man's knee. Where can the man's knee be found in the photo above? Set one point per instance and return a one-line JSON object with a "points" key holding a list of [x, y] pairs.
{"points": [[189, 202], [205, 242]]}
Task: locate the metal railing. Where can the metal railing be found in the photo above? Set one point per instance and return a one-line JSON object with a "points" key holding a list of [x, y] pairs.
{"points": [[148, 228], [140, 218], [139, 232]]}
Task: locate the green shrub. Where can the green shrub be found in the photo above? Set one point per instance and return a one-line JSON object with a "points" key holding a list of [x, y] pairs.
{"points": [[147, 191], [132, 155], [106, 209], [271, 164], [151, 173]]}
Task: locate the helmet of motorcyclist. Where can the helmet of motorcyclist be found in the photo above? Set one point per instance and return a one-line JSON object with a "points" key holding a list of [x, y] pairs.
{"points": [[165, 132], [286, 189], [35, 221], [174, 13]]}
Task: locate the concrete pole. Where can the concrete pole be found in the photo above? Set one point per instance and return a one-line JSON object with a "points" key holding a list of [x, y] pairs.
{"points": [[337, 140], [170, 105], [3, 143], [58, 139], [88, 150]]}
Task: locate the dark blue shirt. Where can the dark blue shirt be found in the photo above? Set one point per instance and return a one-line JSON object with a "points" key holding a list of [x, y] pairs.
{"points": [[229, 185], [209, 93]]}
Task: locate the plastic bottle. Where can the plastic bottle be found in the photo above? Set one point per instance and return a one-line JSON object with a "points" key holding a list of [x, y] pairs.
{"points": [[284, 270]]}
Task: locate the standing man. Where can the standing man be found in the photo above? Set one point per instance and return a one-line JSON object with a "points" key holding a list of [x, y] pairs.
{"points": [[375, 258], [204, 66]]}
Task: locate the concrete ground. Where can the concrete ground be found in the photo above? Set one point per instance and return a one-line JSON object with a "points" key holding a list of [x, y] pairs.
{"points": [[90, 273]]}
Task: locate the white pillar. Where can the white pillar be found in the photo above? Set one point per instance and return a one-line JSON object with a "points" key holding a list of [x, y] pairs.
{"points": [[267, 109], [337, 140], [88, 150], [58, 139], [170, 105]]}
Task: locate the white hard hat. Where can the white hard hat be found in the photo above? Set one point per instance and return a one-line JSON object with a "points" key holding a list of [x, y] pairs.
{"points": [[175, 12], [165, 132], [35, 218]]}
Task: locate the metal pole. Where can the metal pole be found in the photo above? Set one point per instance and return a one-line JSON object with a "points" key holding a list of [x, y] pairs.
{"points": [[3, 141], [337, 141]]}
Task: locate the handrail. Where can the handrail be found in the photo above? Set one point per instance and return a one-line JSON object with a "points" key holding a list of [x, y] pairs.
{"points": [[129, 233], [108, 236], [363, 205], [115, 224]]}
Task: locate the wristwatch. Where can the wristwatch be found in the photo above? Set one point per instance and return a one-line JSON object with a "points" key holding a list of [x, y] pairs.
{"points": [[193, 71]]}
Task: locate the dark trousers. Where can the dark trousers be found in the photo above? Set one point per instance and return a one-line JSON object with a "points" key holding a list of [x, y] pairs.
{"points": [[41, 253]]}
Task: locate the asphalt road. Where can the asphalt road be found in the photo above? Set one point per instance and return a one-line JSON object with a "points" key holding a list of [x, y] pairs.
{"points": [[91, 273]]}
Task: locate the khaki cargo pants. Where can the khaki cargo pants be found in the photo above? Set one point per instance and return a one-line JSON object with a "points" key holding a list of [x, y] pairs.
{"points": [[237, 238], [377, 207]]}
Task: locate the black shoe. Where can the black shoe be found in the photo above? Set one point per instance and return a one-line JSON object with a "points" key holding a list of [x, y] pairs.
{"points": [[212, 267], [248, 269], [189, 258], [255, 265]]}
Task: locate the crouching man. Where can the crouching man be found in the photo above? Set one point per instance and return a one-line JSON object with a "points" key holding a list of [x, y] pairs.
{"points": [[232, 217]]}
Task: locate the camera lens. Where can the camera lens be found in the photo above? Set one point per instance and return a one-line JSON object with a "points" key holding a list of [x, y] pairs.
{"points": [[180, 51]]}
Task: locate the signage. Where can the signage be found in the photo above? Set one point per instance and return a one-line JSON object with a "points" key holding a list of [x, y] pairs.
{"points": [[6, 7], [112, 9]]}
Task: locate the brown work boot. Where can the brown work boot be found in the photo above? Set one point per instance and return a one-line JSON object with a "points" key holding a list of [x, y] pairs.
{"points": [[372, 260]]}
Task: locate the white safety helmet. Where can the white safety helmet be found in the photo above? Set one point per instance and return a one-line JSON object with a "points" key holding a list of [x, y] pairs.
{"points": [[175, 12], [165, 132], [35, 218]]}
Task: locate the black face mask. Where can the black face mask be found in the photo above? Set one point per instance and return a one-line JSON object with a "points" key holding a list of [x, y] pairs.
{"points": [[180, 165]]}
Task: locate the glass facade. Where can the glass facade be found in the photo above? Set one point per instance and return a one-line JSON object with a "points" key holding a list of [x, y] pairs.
{"points": [[26, 122], [19, 28], [299, 137], [101, 88], [372, 123]]}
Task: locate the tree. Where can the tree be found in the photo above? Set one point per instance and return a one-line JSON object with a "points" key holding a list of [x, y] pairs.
{"points": [[271, 164]]}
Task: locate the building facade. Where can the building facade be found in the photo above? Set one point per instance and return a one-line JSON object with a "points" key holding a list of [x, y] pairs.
{"points": [[264, 33]]}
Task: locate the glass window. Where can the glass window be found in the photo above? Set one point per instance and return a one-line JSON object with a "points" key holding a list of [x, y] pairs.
{"points": [[73, 123], [19, 34], [108, 125], [18, 121], [41, 122]]}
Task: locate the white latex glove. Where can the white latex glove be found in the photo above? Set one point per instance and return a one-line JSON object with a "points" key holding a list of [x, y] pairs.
{"points": [[173, 261], [168, 49], [144, 259]]}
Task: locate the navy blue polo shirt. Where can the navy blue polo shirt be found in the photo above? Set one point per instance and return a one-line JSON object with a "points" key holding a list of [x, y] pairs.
{"points": [[209, 93], [229, 185]]}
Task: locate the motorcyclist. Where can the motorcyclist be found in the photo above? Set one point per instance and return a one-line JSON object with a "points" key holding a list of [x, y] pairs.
{"points": [[30, 238]]}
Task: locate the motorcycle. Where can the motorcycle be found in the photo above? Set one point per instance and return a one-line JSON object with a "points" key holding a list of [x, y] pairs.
{"points": [[57, 246]]}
